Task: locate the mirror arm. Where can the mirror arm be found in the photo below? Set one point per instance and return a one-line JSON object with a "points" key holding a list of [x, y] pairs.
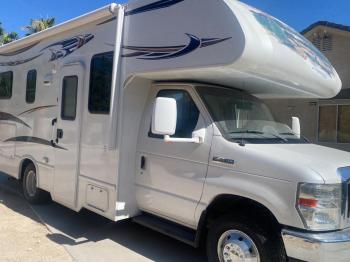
{"points": [[196, 140]]}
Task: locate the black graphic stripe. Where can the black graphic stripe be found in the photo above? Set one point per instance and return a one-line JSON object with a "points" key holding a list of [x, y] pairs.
{"points": [[19, 62], [66, 47], [166, 49], [58, 50], [135, 54], [194, 43], [154, 6], [214, 41], [35, 109], [168, 52], [8, 117], [19, 51], [34, 140]]}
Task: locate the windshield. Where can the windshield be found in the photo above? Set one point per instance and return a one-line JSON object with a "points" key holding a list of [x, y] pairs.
{"points": [[244, 118]]}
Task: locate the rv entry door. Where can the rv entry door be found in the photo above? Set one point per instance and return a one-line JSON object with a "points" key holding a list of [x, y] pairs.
{"points": [[67, 136]]}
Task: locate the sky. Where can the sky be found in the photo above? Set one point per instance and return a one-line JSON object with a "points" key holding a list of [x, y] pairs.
{"points": [[14, 14]]}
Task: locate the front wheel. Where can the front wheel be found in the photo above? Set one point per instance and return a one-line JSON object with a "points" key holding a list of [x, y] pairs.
{"points": [[234, 240], [31, 192]]}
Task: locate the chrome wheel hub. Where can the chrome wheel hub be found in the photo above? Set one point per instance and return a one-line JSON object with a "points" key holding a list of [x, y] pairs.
{"points": [[236, 246], [31, 183]]}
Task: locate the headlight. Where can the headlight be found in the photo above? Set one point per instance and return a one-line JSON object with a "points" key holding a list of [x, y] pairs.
{"points": [[320, 206]]}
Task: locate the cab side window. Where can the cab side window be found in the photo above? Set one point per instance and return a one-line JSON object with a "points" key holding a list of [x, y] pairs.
{"points": [[69, 98], [100, 83], [31, 86], [6, 81], [187, 113]]}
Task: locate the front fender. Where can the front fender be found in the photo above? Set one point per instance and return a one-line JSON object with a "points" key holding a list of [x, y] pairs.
{"points": [[279, 196]]}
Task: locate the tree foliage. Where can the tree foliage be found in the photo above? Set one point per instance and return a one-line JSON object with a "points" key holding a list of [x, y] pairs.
{"points": [[7, 37], [37, 25]]}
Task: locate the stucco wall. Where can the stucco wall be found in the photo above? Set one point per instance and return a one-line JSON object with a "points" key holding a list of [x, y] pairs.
{"points": [[340, 53]]}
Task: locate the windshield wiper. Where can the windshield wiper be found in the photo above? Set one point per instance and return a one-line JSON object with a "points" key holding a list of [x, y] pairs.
{"points": [[247, 132], [293, 134], [260, 133]]}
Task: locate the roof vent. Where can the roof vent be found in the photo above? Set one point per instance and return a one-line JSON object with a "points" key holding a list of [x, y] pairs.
{"points": [[317, 41], [327, 44], [323, 41]]}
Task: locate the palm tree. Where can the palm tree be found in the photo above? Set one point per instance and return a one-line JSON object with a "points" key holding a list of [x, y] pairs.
{"points": [[37, 25], [8, 37], [2, 31]]}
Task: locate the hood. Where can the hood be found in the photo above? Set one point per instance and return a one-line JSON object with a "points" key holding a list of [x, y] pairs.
{"points": [[324, 161]]}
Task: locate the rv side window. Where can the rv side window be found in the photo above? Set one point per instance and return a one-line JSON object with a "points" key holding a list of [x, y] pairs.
{"points": [[31, 86], [100, 83], [187, 113], [69, 98], [6, 81]]}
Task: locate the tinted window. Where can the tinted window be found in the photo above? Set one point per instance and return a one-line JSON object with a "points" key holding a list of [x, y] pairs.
{"points": [[6, 80], [187, 113], [327, 130], [100, 83], [69, 97], [31, 86], [344, 124]]}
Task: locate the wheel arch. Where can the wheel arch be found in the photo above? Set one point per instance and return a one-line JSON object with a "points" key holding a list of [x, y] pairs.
{"points": [[226, 204], [26, 160]]}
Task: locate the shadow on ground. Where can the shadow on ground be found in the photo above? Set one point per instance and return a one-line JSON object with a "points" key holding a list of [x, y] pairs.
{"points": [[90, 237]]}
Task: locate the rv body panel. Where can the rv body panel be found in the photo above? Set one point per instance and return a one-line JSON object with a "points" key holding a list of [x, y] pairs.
{"points": [[88, 130], [31, 129], [238, 46]]}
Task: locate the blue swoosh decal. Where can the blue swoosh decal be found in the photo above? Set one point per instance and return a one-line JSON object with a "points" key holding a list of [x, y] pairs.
{"points": [[58, 50], [64, 48], [167, 52], [194, 43], [154, 6]]}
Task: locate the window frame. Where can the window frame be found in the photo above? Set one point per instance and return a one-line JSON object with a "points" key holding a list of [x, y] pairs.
{"points": [[35, 87], [63, 99], [337, 104], [155, 136], [12, 78], [96, 112]]}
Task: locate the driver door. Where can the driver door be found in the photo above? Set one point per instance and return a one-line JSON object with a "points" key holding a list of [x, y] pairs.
{"points": [[171, 176]]}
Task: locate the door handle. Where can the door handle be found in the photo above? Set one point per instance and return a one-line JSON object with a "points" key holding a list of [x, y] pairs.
{"points": [[53, 124], [59, 134], [143, 163]]}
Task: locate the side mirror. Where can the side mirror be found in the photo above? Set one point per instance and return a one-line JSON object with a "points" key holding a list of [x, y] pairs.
{"points": [[296, 126], [164, 116]]}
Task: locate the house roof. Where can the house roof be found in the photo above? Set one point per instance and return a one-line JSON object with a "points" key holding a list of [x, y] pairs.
{"points": [[327, 24]]}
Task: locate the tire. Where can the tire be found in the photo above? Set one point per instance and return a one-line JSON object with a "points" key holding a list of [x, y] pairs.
{"points": [[240, 234], [31, 192]]}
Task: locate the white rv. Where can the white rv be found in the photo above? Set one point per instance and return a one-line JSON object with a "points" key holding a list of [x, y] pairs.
{"points": [[152, 111]]}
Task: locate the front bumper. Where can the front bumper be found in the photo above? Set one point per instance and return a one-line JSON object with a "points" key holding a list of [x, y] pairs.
{"points": [[332, 246]]}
